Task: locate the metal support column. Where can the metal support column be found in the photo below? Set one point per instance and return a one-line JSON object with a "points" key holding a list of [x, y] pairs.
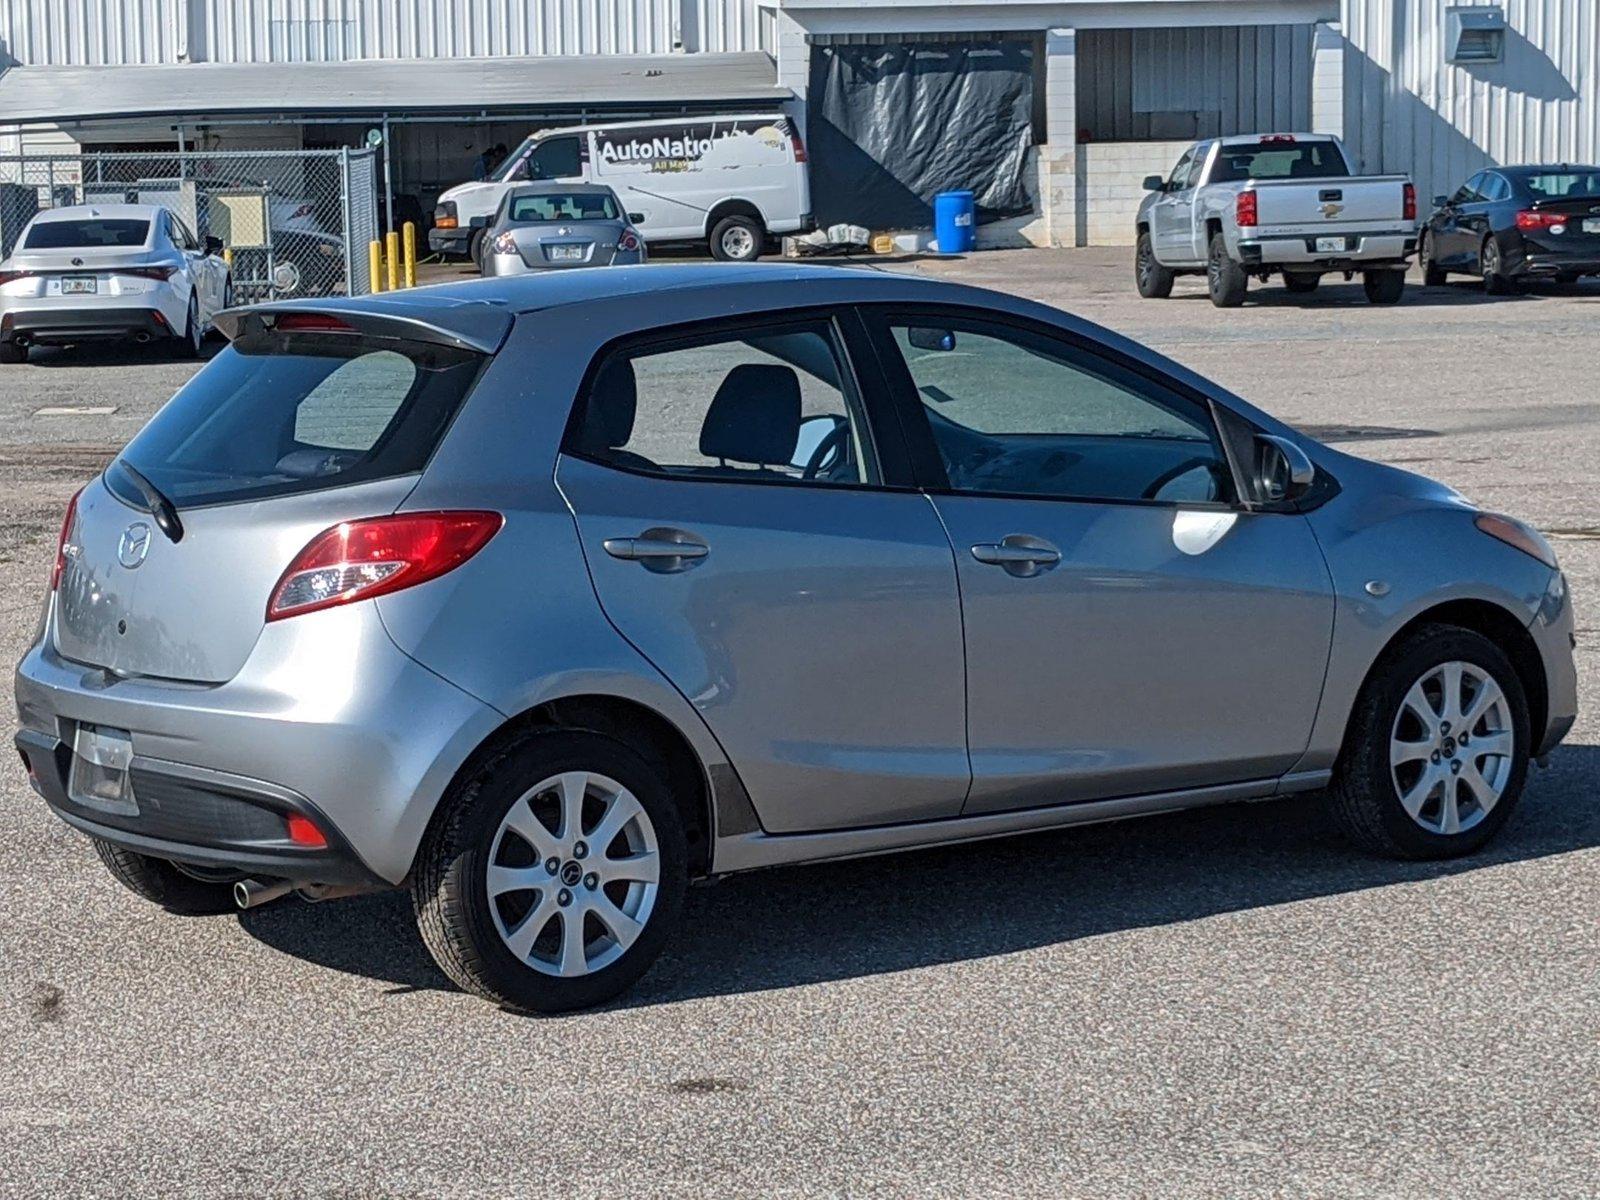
{"points": [[344, 217], [388, 178]]}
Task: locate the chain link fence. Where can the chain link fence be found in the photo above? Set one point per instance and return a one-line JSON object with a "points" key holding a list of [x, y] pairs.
{"points": [[292, 223]]}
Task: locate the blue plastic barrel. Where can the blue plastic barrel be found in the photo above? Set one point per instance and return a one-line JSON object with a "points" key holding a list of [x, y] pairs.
{"points": [[953, 222]]}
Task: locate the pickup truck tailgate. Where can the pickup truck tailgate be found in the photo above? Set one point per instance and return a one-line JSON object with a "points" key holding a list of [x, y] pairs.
{"points": [[1334, 204]]}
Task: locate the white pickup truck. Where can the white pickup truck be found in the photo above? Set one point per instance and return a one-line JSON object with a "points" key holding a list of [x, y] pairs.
{"points": [[1274, 204]]}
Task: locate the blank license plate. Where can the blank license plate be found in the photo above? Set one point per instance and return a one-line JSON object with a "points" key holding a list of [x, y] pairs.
{"points": [[1332, 245], [565, 253], [99, 776], [79, 285], [1591, 225]]}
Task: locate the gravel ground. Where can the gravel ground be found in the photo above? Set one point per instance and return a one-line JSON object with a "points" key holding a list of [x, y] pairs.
{"points": [[1221, 1003]]}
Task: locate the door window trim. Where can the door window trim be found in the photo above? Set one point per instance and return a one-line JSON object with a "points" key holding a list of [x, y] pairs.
{"points": [[862, 378], [1076, 348]]}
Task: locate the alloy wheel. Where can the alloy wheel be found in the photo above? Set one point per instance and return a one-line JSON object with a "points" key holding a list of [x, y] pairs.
{"points": [[1452, 747], [574, 874]]}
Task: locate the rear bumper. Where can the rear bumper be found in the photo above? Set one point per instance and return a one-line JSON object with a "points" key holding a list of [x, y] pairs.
{"points": [[1545, 264], [51, 325], [1361, 252], [498, 265], [449, 241]]}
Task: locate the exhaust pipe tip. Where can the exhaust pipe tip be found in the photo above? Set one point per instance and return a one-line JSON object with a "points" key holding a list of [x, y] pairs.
{"points": [[142, 337], [252, 893]]}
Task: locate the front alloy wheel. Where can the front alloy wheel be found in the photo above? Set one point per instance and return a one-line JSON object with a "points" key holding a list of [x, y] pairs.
{"points": [[1451, 748]]}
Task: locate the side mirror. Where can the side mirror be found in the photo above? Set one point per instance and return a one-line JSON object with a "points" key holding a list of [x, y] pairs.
{"points": [[213, 245], [1440, 201], [1154, 183], [814, 431], [1283, 472], [924, 337], [635, 218]]}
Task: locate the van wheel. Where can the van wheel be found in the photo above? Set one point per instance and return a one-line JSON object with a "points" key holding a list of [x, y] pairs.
{"points": [[475, 249], [1154, 281], [1225, 279], [551, 878], [186, 890], [1383, 287], [737, 239], [13, 353]]}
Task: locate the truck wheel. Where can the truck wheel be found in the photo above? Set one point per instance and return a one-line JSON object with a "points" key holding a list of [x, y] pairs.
{"points": [[174, 888], [1225, 279], [1494, 281], [552, 876], [1302, 283], [13, 353], [737, 239], [1154, 281], [1383, 287], [1433, 275]]}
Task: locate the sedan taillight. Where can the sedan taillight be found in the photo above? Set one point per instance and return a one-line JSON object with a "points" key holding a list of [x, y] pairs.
{"points": [[628, 241], [8, 276], [505, 244], [158, 273], [1529, 219], [1244, 209], [358, 560]]}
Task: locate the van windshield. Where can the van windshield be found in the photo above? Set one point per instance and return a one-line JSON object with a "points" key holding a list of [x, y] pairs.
{"points": [[279, 413]]}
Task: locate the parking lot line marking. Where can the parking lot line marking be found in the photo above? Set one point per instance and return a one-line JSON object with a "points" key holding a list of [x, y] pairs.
{"points": [[70, 410]]}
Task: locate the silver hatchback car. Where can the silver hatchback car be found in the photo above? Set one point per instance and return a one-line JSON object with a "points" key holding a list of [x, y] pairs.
{"points": [[542, 597]]}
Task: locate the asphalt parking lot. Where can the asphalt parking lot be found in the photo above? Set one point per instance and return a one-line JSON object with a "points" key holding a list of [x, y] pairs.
{"points": [[1222, 1003]]}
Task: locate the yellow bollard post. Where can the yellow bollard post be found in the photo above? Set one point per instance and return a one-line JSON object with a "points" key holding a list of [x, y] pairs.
{"points": [[227, 256], [408, 239], [391, 251], [375, 265]]}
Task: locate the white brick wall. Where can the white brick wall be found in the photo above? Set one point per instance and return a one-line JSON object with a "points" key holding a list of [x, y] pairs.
{"points": [[1113, 174]]}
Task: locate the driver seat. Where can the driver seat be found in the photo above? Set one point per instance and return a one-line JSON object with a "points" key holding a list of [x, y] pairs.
{"points": [[754, 419]]}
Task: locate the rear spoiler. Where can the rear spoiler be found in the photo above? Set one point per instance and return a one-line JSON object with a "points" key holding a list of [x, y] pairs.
{"points": [[463, 324]]}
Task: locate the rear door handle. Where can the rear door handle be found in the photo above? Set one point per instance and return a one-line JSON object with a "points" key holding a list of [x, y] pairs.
{"points": [[659, 549], [1020, 554]]}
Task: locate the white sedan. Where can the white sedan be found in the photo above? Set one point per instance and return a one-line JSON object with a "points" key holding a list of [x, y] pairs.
{"points": [[104, 271]]}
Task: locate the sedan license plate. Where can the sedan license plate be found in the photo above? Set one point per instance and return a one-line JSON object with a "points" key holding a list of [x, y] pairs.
{"points": [[99, 776], [1591, 225], [1330, 245], [79, 285], [565, 253]]}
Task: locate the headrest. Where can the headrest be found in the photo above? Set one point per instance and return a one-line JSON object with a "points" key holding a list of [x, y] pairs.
{"points": [[755, 415], [613, 404]]}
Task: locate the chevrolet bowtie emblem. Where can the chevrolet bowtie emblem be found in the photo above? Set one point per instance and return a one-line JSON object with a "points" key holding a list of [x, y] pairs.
{"points": [[1332, 210]]}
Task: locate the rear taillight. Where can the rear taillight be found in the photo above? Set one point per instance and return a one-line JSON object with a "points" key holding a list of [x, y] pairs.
{"points": [[309, 323], [303, 831], [61, 542], [505, 244], [8, 276], [1408, 202], [158, 273], [1529, 219], [799, 146], [1277, 139], [1244, 209], [628, 241], [362, 559]]}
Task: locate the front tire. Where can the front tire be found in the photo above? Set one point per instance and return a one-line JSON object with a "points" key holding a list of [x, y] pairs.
{"points": [[1152, 279], [1436, 753], [1383, 287], [1433, 275], [1225, 279], [164, 883], [737, 239], [553, 876]]}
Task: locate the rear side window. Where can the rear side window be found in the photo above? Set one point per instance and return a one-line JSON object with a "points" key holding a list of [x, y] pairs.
{"points": [[1278, 160], [280, 413], [87, 233]]}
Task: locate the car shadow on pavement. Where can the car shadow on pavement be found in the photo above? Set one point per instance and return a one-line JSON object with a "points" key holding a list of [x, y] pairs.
{"points": [[118, 354], [806, 925]]}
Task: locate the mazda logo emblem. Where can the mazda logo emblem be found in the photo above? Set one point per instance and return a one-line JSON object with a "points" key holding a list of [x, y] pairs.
{"points": [[134, 545]]}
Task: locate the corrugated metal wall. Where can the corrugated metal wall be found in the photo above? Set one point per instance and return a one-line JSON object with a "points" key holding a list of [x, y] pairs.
{"points": [[97, 32], [1407, 109], [1154, 84]]}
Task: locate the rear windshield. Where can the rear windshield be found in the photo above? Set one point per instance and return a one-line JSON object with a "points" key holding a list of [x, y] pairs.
{"points": [[1278, 160], [93, 231], [567, 206], [1564, 185], [280, 413]]}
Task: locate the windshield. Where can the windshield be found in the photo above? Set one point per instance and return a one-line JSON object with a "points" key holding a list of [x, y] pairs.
{"points": [[61, 235], [566, 206], [1277, 160], [280, 413], [1564, 185]]}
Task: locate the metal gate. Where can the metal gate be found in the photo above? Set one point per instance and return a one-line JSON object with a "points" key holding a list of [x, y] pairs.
{"points": [[292, 223]]}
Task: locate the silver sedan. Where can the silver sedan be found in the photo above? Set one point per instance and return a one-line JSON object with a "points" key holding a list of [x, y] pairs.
{"points": [[552, 227]]}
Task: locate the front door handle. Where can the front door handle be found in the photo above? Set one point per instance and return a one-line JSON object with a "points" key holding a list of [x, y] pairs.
{"points": [[1019, 554], [660, 549]]}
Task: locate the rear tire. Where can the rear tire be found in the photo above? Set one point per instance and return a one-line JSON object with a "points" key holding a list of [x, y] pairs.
{"points": [[161, 882], [514, 814], [1433, 275], [13, 353], [1495, 283], [1368, 783], [1383, 287], [1302, 283], [737, 239], [1225, 279], [188, 345], [1152, 279]]}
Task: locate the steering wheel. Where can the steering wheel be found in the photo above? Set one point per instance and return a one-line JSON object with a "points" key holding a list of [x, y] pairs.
{"points": [[1167, 476], [832, 442]]}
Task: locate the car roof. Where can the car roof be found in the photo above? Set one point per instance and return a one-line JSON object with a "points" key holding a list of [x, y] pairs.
{"points": [[1523, 170], [111, 212]]}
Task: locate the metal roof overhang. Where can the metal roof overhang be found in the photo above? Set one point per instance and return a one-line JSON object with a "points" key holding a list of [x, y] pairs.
{"points": [[29, 95]]}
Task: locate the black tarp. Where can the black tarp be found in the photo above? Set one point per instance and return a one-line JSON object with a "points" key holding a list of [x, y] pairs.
{"points": [[888, 126]]}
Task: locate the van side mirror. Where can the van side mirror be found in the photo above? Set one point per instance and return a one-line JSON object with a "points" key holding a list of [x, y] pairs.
{"points": [[1154, 183], [636, 218], [1282, 471], [213, 245], [925, 337]]}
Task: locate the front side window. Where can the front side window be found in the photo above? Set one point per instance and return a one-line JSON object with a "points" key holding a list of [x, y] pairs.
{"points": [[87, 233], [1468, 193], [768, 404], [1015, 412], [1179, 178], [558, 158]]}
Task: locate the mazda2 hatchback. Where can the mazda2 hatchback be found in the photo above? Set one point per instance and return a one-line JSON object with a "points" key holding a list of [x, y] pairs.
{"points": [[541, 597]]}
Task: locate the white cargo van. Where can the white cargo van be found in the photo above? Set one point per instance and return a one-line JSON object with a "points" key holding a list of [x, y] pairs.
{"points": [[729, 181]]}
